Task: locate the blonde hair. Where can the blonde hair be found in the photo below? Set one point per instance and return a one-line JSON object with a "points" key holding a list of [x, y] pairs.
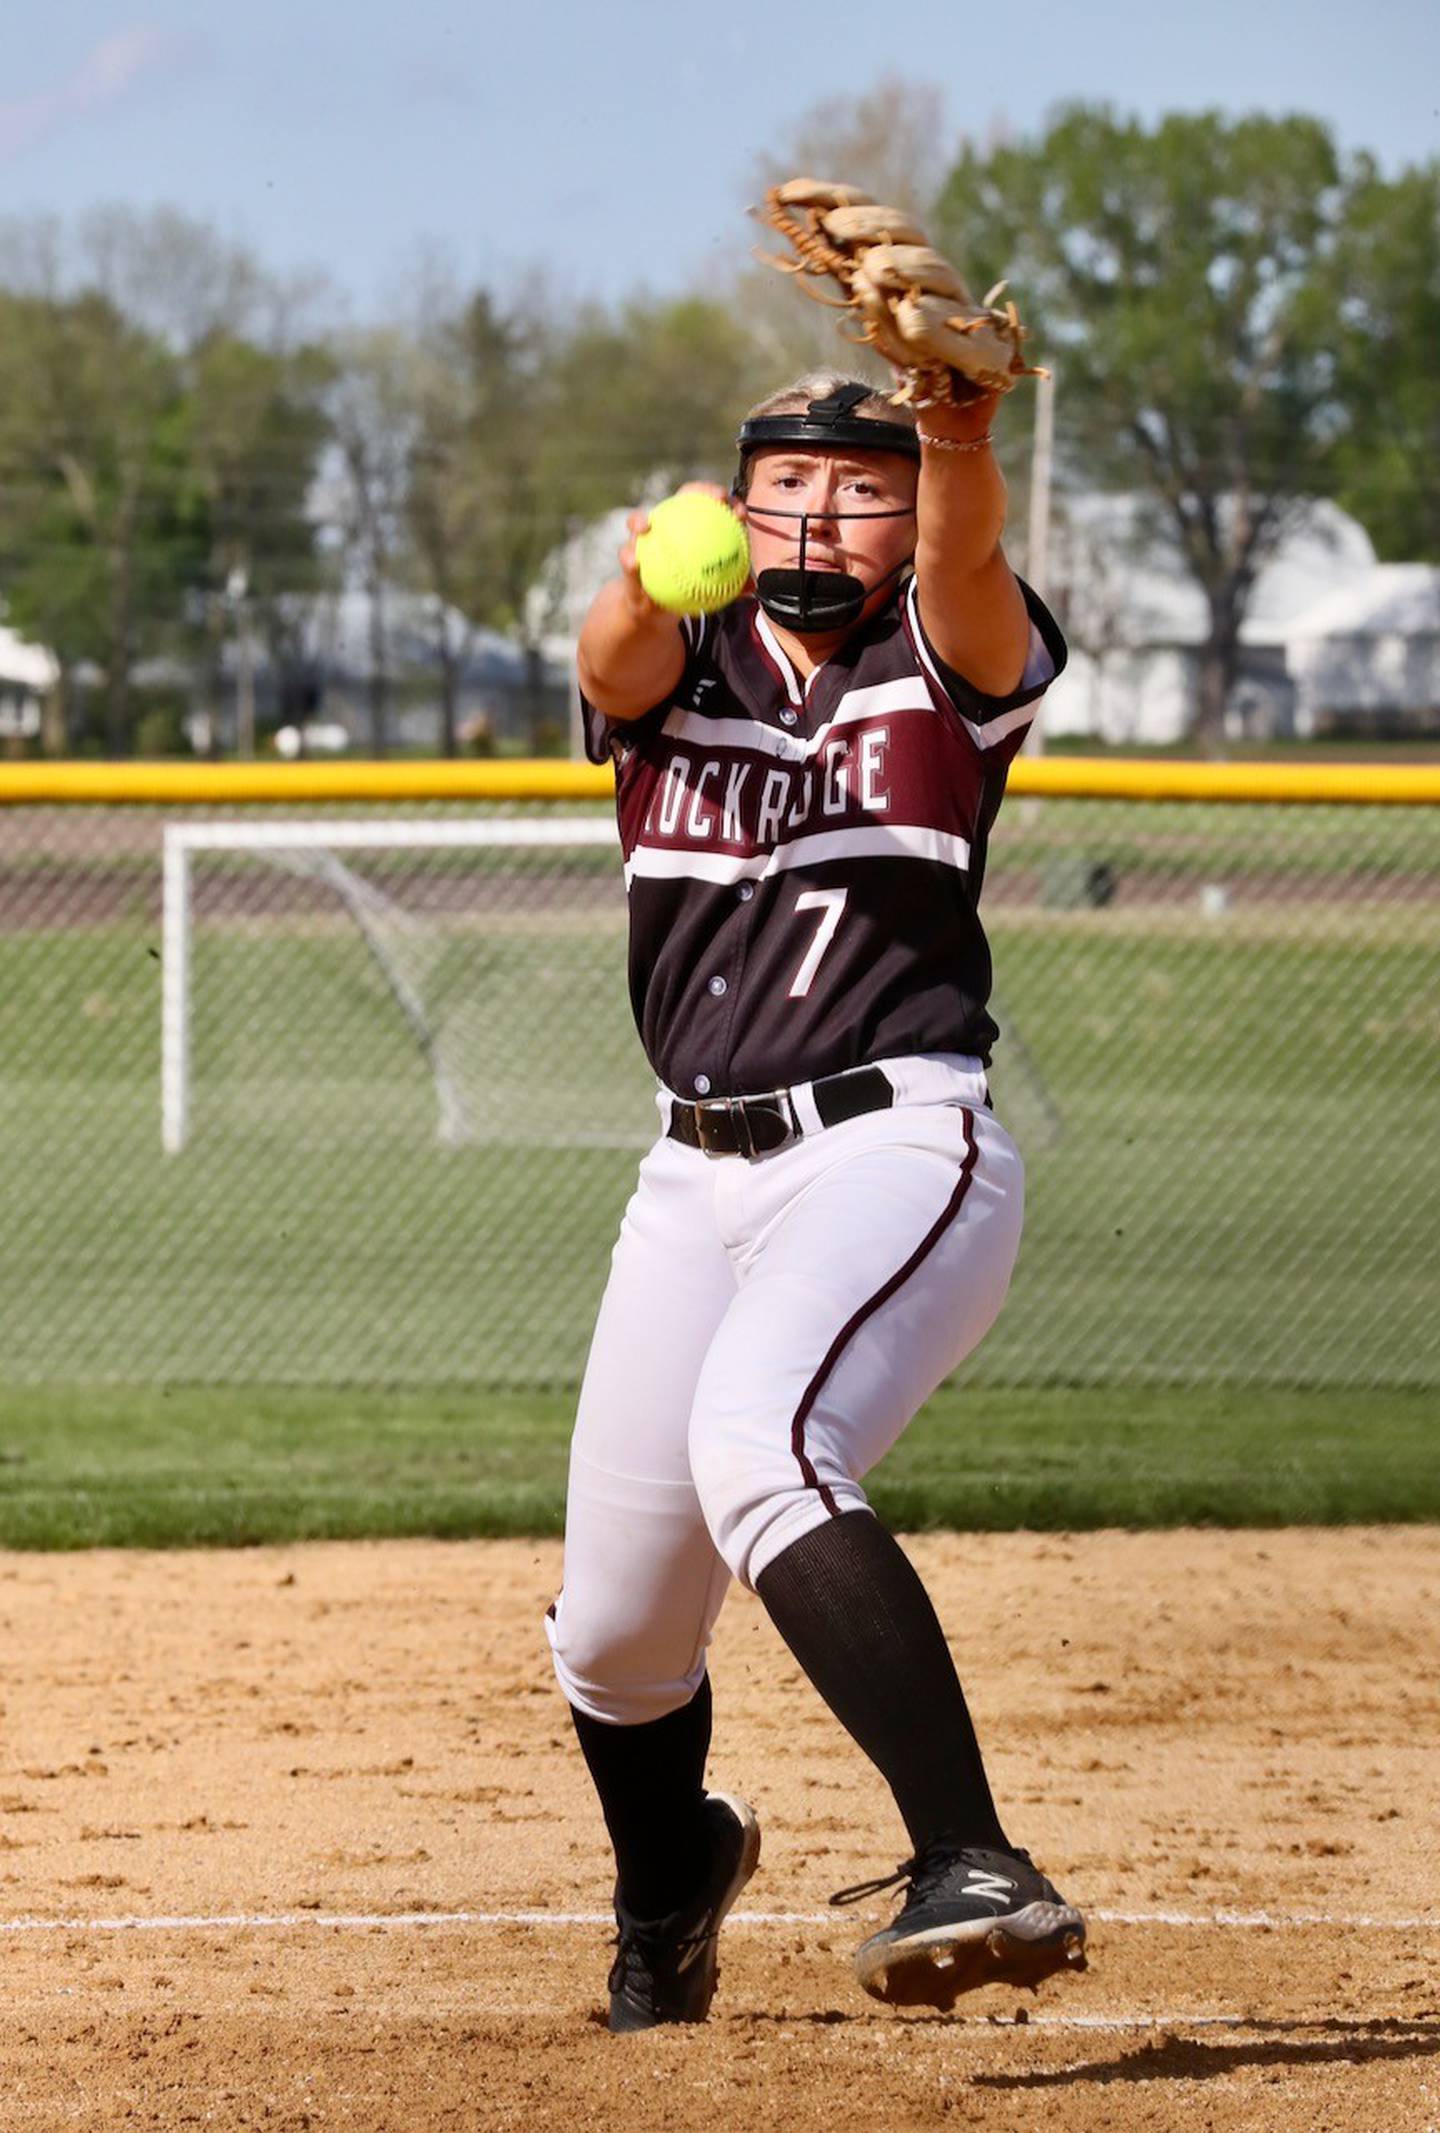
{"points": [[877, 406]]}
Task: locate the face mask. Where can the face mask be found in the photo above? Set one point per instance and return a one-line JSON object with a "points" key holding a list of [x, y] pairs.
{"points": [[813, 602]]}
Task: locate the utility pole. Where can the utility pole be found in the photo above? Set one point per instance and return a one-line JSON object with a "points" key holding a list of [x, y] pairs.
{"points": [[236, 588], [573, 529], [1037, 550]]}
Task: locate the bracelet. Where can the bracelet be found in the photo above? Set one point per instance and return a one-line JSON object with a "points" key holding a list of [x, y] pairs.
{"points": [[952, 444]]}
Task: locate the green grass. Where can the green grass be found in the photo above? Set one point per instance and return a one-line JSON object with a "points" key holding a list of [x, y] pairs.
{"points": [[1230, 1139], [1231, 1144], [192, 1466], [314, 1230], [1230, 1128]]}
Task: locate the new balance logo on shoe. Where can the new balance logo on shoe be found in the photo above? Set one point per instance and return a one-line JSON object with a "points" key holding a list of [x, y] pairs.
{"points": [[994, 1888]]}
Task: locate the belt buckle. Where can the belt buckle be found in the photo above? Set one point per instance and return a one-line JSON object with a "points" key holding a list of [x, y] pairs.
{"points": [[709, 1115], [738, 1114]]}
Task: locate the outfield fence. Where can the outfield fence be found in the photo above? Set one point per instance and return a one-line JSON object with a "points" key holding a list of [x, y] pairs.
{"points": [[326, 1074]]}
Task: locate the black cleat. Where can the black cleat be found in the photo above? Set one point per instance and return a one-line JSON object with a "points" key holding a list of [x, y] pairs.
{"points": [[970, 1917], [665, 1968]]}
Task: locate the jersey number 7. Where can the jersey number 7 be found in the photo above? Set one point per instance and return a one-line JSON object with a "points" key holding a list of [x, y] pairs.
{"points": [[830, 903]]}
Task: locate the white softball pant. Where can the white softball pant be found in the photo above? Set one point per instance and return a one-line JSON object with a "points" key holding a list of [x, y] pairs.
{"points": [[768, 1329]]}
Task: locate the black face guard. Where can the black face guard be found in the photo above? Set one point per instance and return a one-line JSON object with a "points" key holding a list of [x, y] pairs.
{"points": [[814, 602], [811, 602]]}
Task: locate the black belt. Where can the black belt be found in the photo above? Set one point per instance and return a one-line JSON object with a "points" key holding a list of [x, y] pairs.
{"points": [[758, 1125]]}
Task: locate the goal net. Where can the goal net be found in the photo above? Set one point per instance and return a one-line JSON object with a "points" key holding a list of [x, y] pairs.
{"points": [[427, 1020], [487, 939]]}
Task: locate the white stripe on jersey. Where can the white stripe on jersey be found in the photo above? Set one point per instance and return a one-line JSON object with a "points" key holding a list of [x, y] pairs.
{"points": [[996, 729], [879, 700], [782, 663], [1039, 667], [895, 840]]}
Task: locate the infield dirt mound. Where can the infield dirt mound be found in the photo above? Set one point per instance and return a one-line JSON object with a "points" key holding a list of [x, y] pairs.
{"points": [[1181, 1726]]}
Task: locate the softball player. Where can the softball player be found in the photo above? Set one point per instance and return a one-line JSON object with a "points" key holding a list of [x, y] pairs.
{"points": [[828, 1221]]}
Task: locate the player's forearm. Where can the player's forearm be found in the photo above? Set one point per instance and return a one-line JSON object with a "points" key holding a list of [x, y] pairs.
{"points": [[970, 601], [960, 507], [631, 653]]}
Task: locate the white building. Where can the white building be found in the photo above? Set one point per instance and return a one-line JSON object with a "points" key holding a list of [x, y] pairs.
{"points": [[1365, 658], [27, 675], [1136, 621]]}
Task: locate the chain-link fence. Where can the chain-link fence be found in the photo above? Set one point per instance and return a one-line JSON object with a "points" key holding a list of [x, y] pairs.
{"points": [[337, 1105]]}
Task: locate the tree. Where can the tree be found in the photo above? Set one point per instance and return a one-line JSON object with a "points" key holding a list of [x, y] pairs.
{"points": [[564, 421], [1385, 313], [443, 514], [893, 141], [480, 522], [374, 421], [100, 526], [649, 394], [472, 444], [159, 430], [1170, 274], [449, 470], [255, 432]]}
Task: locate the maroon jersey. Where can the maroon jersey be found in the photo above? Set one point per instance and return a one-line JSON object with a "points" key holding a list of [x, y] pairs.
{"points": [[804, 859]]}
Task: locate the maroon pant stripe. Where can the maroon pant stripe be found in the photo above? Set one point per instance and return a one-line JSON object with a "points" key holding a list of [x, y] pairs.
{"points": [[868, 1308]]}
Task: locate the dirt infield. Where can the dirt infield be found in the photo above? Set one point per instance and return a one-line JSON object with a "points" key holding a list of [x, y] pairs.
{"points": [[343, 1776]]}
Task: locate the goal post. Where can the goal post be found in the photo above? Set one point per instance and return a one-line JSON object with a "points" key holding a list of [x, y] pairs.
{"points": [[281, 841]]}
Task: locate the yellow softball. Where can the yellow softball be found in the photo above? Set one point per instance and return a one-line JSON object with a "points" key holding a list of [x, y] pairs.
{"points": [[694, 556]]}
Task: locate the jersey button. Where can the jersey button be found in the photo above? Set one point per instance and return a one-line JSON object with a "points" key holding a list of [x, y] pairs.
{"points": [[702, 1084], [717, 986], [788, 716], [745, 891]]}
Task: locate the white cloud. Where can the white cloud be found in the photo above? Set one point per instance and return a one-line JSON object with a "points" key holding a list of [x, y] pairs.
{"points": [[109, 71]]}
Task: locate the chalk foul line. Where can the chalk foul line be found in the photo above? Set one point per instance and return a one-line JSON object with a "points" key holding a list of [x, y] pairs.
{"points": [[367, 1921]]}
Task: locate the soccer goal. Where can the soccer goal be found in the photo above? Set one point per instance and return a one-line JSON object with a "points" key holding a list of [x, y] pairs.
{"points": [[485, 945]]}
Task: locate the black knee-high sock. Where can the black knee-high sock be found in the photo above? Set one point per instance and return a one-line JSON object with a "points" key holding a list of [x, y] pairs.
{"points": [[651, 1782], [850, 1605]]}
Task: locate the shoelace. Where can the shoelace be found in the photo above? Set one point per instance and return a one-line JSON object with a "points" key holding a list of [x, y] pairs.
{"points": [[908, 1870], [925, 1866]]}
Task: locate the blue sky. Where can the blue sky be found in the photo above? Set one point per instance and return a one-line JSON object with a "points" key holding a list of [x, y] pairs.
{"points": [[609, 145]]}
